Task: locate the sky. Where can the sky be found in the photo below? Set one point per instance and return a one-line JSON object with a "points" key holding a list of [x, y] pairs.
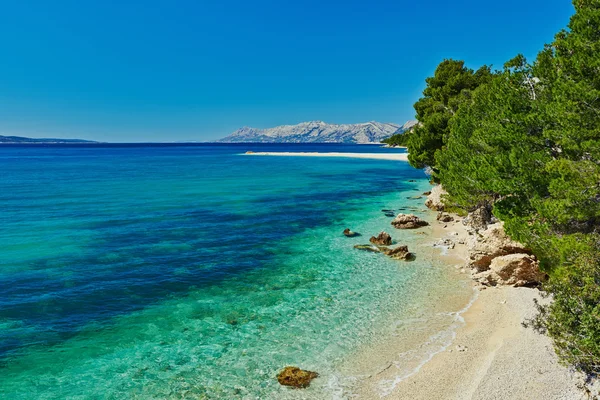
{"points": [[164, 71]]}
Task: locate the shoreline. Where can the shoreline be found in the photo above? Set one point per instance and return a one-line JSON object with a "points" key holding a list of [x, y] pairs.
{"points": [[491, 355], [375, 156]]}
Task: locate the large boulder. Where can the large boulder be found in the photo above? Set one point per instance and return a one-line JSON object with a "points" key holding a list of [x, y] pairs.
{"points": [[490, 243], [519, 269], [296, 377], [408, 221], [434, 199], [383, 239]]}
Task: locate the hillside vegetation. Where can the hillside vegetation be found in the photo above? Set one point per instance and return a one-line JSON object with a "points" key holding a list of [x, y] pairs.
{"points": [[525, 140]]}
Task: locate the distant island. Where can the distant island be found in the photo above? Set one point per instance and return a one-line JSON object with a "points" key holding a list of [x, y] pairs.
{"points": [[19, 139], [319, 132]]}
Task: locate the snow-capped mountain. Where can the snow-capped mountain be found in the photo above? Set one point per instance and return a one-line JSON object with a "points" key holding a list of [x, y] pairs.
{"points": [[317, 132]]}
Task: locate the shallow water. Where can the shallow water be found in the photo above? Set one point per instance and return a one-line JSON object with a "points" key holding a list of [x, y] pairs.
{"points": [[195, 272]]}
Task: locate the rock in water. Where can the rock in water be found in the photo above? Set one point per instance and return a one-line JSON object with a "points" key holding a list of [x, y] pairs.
{"points": [[408, 221], [349, 233], [399, 253], [296, 377], [367, 247], [383, 239]]}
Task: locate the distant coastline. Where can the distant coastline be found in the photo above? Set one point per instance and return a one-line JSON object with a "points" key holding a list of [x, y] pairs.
{"points": [[26, 140]]}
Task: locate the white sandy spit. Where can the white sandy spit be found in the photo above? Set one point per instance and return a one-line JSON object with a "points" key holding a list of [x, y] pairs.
{"points": [[377, 156]]}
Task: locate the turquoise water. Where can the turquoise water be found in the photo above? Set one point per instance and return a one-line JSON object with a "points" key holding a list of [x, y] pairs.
{"points": [[157, 272]]}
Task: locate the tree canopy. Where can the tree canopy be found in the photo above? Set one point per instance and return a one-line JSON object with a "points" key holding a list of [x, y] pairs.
{"points": [[526, 140]]}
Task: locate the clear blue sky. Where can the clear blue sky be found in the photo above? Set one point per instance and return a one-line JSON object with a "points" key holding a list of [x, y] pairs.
{"points": [[158, 70]]}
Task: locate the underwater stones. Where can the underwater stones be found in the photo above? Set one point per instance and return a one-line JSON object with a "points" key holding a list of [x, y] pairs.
{"points": [[367, 247], [399, 253], [408, 221], [383, 239], [296, 377], [427, 193], [349, 233]]}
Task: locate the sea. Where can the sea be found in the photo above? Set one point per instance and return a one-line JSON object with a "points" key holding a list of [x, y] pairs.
{"points": [[194, 271]]}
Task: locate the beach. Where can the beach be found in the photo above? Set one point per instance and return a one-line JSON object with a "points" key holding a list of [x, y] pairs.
{"points": [[374, 156], [493, 356]]}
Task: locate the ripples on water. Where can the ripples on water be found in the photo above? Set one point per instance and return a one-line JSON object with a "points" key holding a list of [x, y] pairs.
{"points": [[193, 271]]}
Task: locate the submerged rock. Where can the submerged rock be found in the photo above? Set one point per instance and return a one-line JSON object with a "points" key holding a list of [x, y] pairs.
{"points": [[367, 247], [349, 233], [408, 221], [399, 253], [296, 377], [383, 239]]}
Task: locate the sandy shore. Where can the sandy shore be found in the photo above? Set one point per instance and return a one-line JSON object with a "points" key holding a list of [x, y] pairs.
{"points": [[492, 356], [376, 156]]}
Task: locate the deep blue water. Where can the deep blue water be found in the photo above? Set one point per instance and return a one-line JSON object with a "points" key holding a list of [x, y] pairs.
{"points": [[102, 242]]}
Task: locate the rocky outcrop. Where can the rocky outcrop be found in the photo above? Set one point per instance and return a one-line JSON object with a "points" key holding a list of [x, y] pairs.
{"points": [[480, 218], [349, 233], [408, 221], [518, 269], [296, 377], [496, 259], [434, 199], [383, 239], [489, 243]]}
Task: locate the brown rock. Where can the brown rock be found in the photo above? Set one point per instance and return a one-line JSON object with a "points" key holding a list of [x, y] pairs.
{"points": [[408, 221], [383, 239], [349, 233], [443, 217], [399, 253], [296, 377], [367, 247]]}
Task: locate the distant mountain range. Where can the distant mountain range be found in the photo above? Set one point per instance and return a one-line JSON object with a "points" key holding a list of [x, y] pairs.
{"points": [[319, 132], [19, 139]]}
